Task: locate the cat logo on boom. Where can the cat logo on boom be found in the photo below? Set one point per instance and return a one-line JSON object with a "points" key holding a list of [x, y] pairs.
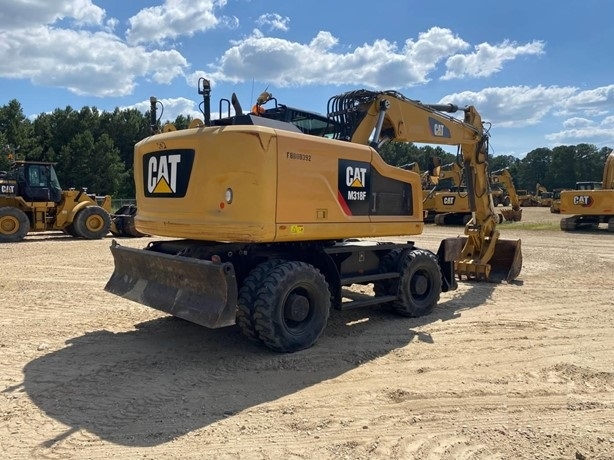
{"points": [[166, 174]]}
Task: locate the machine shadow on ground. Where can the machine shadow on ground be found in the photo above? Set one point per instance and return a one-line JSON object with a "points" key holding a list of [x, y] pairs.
{"points": [[179, 377]]}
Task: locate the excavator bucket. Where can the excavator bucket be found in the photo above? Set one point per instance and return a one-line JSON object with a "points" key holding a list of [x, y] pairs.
{"points": [[504, 264], [122, 222], [199, 291], [512, 215]]}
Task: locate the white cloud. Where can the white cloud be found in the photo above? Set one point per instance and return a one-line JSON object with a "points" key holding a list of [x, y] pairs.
{"points": [[380, 64], [173, 107], [594, 132], [488, 59], [598, 101], [273, 21], [18, 14], [513, 106], [85, 63], [175, 18], [577, 122]]}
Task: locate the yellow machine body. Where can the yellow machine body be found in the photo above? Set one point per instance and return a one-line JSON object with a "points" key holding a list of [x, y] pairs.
{"points": [[259, 184], [591, 204]]}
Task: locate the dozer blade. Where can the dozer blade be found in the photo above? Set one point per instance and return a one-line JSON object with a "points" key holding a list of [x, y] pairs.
{"points": [[199, 291], [512, 215], [504, 264]]}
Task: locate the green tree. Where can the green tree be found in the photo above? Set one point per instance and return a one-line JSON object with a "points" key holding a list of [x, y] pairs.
{"points": [[16, 129]]}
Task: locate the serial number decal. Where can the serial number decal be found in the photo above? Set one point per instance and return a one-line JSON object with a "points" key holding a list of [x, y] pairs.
{"points": [[298, 156], [297, 229]]}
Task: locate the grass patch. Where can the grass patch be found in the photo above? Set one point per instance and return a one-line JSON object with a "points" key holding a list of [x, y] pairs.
{"points": [[532, 225]]}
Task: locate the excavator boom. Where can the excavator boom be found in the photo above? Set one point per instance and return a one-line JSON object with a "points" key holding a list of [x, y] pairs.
{"points": [[374, 118]]}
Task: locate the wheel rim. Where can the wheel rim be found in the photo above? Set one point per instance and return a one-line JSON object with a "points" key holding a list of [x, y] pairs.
{"points": [[94, 223], [9, 225], [420, 285], [298, 309]]}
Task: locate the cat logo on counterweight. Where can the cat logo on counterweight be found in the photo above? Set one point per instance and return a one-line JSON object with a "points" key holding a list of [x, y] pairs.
{"points": [[167, 173]]}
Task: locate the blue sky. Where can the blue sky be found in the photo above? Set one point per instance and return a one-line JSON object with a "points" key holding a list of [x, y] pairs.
{"points": [[540, 71]]}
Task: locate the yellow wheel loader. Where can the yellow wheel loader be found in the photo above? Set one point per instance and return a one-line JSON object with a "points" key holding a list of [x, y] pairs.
{"points": [[591, 204], [31, 200], [268, 212]]}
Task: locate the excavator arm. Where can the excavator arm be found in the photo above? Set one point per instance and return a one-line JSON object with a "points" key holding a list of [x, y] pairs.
{"points": [[503, 176], [374, 118]]}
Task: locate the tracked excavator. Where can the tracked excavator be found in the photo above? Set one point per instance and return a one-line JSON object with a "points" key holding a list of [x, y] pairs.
{"points": [[448, 177], [591, 204], [453, 207], [268, 211], [504, 177]]}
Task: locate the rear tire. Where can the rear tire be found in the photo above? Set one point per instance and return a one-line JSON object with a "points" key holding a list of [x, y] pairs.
{"points": [[247, 297], [292, 307], [419, 285], [388, 263], [14, 224], [92, 223]]}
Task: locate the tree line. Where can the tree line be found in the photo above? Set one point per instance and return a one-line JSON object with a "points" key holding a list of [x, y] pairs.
{"points": [[94, 149]]}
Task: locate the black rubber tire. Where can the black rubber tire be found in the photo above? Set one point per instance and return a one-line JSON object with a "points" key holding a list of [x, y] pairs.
{"points": [[14, 224], [506, 201], [420, 284], [92, 223], [70, 230], [247, 296], [302, 285], [388, 263]]}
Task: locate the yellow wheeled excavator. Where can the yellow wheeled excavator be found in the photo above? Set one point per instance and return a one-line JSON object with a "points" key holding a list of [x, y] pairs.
{"points": [[269, 211]]}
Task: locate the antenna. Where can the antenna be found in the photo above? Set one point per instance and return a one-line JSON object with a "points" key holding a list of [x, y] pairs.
{"points": [[251, 97]]}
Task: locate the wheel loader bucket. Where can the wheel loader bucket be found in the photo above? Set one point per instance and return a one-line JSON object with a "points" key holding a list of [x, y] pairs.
{"points": [[501, 264], [512, 215], [199, 291], [122, 222]]}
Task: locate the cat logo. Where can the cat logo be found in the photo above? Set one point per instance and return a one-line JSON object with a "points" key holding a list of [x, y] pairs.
{"points": [[582, 200], [8, 189], [448, 200], [166, 174], [438, 129], [355, 177]]}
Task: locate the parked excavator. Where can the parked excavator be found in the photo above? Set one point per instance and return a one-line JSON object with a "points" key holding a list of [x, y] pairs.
{"points": [[269, 211], [31, 200], [446, 178], [504, 177], [452, 206], [591, 204]]}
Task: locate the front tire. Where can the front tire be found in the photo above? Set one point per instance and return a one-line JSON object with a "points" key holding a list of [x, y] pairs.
{"points": [[14, 224], [92, 223], [292, 307], [420, 284]]}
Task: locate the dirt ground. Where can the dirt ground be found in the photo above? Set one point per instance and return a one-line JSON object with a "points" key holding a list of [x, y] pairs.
{"points": [[509, 371]]}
